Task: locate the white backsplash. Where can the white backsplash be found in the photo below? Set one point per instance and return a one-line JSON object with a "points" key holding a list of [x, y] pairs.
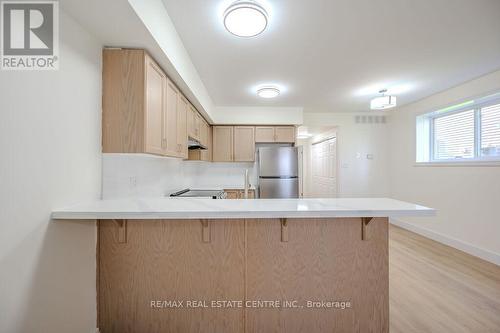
{"points": [[140, 175]]}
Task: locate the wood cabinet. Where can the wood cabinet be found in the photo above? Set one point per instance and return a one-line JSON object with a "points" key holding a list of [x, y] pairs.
{"points": [[278, 134], [284, 134], [203, 154], [171, 146], [233, 143], [182, 137], [144, 112], [222, 143], [295, 260], [203, 126], [264, 134], [194, 120], [244, 143], [239, 194], [206, 154], [142, 108], [155, 83]]}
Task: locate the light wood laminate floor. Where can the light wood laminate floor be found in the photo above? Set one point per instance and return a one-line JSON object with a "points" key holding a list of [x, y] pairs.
{"points": [[436, 288]]}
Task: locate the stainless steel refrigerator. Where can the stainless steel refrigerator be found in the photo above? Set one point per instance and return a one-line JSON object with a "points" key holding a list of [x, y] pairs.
{"points": [[278, 172]]}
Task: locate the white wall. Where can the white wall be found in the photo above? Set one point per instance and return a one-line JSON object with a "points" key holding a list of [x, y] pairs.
{"points": [[357, 176], [258, 115], [50, 148], [135, 175], [466, 197]]}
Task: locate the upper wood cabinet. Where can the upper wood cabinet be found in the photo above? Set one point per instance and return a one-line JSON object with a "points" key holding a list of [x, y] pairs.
{"points": [[182, 137], [203, 126], [244, 143], [233, 144], [141, 108], [278, 134], [205, 140], [264, 134], [194, 121], [155, 83], [171, 145], [284, 134], [222, 143], [206, 155]]}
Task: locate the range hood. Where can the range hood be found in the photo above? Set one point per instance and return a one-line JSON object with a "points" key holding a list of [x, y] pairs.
{"points": [[193, 144]]}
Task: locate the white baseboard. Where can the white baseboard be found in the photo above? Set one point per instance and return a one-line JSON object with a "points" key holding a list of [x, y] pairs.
{"points": [[450, 241]]}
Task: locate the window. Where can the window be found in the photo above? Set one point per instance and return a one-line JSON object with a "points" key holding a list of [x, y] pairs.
{"points": [[490, 131], [468, 131]]}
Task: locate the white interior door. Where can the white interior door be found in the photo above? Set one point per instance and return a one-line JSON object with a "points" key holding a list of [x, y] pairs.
{"points": [[324, 169]]}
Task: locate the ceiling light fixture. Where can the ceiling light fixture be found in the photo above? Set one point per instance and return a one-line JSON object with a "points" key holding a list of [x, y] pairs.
{"points": [[245, 19], [268, 92], [383, 102]]}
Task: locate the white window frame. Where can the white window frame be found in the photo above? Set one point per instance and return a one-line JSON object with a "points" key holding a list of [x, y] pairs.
{"points": [[425, 133]]}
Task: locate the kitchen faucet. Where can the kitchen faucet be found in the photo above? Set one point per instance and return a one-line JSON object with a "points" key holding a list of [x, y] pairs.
{"points": [[247, 184]]}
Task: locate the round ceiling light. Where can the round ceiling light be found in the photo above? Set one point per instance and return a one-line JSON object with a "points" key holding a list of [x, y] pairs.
{"points": [[268, 92], [383, 102], [245, 19]]}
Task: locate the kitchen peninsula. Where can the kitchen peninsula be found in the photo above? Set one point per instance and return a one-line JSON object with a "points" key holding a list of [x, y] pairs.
{"points": [[283, 265]]}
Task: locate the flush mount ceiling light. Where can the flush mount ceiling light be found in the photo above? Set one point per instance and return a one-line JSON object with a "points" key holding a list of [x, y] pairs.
{"points": [[268, 92], [245, 19], [383, 102]]}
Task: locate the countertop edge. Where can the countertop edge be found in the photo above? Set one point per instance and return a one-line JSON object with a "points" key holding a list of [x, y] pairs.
{"points": [[62, 215]]}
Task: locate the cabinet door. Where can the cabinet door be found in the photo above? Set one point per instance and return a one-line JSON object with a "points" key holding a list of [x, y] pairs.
{"points": [[203, 132], [284, 134], [156, 82], [197, 125], [191, 124], [244, 143], [170, 121], [222, 143], [232, 194], [264, 134], [206, 155], [182, 138]]}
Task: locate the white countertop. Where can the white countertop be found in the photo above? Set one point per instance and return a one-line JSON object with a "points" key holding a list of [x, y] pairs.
{"points": [[196, 208]]}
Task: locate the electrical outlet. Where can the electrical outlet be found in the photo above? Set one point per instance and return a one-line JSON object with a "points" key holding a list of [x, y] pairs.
{"points": [[133, 182]]}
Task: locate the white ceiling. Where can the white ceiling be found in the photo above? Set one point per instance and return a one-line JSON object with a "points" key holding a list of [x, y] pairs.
{"points": [[332, 55]]}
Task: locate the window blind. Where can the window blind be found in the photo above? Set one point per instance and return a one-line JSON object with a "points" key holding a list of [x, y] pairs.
{"points": [[490, 131], [454, 136]]}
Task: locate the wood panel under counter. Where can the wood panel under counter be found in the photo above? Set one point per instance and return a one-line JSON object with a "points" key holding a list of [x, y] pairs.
{"points": [[309, 263]]}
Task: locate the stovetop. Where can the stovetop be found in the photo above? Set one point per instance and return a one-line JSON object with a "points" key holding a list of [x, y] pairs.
{"points": [[214, 194]]}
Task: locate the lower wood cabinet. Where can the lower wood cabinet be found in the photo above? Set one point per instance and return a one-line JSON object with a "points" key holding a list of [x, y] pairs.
{"points": [[239, 194]]}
